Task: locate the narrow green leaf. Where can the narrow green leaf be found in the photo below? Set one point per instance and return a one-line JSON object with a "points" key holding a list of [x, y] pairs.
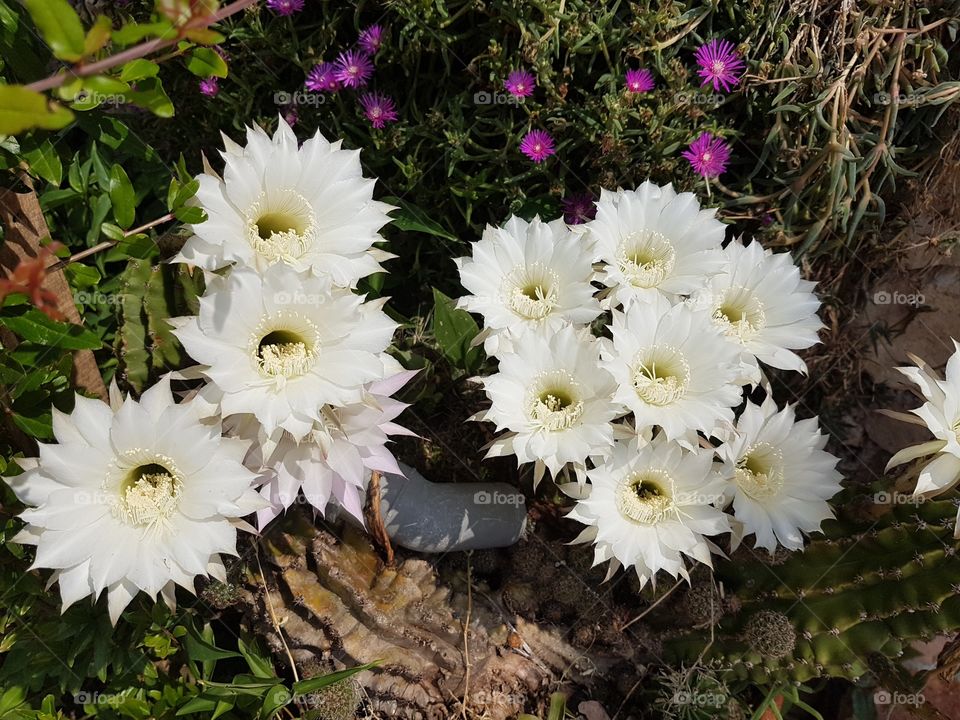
{"points": [[36, 327], [454, 330], [122, 196], [138, 70], [60, 27], [22, 109], [305, 687], [44, 162], [97, 35], [204, 62]]}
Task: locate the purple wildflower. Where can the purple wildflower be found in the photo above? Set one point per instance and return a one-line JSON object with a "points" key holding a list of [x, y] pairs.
{"points": [[378, 108], [353, 68], [639, 81], [290, 115], [323, 78], [371, 39], [708, 155], [285, 7], [537, 145], [720, 65], [579, 208], [210, 86], [520, 83]]}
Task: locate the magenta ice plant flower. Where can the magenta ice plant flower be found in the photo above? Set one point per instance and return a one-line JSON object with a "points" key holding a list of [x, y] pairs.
{"points": [[378, 108], [371, 39], [720, 65], [520, 83], [353, 68], [537, 145], [639, 81], [708, 155], [323, 78], [579, 208], [285, 7], [210, 86]]}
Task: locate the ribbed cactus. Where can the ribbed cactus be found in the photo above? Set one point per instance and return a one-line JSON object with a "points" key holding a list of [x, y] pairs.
{"points": [[149, 295], [853, 600]]}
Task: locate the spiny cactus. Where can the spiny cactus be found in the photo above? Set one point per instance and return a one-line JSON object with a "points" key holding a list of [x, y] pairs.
{"points": [[851, 601], [334, 702], [145, 342]]}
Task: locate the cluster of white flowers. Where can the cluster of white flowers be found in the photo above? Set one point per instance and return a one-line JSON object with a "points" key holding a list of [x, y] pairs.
{"points": [[146, 495], [624, 346]]}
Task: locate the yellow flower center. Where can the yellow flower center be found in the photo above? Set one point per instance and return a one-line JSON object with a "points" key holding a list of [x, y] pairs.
{"points": [[759, 472], [555, 402], [645, 497], [531, 291], [149, 493], [645, 258], [660, 375], [281, 227], [739, 312]]}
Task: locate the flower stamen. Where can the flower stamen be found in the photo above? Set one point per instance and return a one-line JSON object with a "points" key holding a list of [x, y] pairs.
{"points": [[740, 313], [759, 473], [646, 258], [660, 375], [281, 227], [645, 497]]}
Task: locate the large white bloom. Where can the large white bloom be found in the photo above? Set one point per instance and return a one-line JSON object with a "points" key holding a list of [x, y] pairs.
{"points": [[554, 401], [528, 276], [333, 462], [781, 477], [760, 301], [281, 345], [673, 367], [651, 506], [309, 207], [134, 496], [654, 242], [941, 415]]}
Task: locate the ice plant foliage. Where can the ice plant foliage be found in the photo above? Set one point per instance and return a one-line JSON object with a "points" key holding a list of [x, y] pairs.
{"points": [[641, 405], [708, 155], [537, 145], [134, 496], [720, 65]]}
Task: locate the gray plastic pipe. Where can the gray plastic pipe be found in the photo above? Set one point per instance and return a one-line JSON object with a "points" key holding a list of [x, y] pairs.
{"points": [[443, 517]]}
